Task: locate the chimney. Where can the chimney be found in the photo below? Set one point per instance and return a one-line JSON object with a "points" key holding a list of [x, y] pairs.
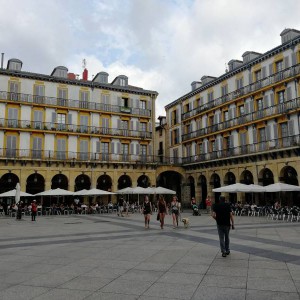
{"points": [[85, 74], [71, 76], [2, 60]]}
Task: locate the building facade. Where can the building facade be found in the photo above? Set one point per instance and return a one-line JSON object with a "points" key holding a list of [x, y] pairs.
{"points": [[242, 126], [58, 131]]}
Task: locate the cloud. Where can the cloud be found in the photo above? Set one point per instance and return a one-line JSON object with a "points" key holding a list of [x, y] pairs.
{"points": [[159, 45]]}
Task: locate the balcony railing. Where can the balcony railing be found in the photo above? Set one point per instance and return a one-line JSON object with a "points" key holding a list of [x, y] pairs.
{"points": [[36, 125], [69, 103], [281, 108], [256, 148], [277, 77]]}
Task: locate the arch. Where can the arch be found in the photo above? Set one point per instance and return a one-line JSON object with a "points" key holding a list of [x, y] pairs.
{"points": [[290, 176], [143, 181], [191, 183], [230, 179], [35, 183], [247, 178], [215, 182], [82, 182], [171, 180], [60, 181], [124, 181], [266, 177], [104, 182], [8, 182], [202, 182]]}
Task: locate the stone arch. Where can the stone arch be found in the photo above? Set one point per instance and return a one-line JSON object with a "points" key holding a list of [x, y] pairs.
{"points": [[60, 181], [202, 183], [143, 181], [215, 182], [82, 182], [229, 179], [290, 176], [191, 183], [35, 183], [8, 182], [247, 178], [104, 182], [124, 181]]}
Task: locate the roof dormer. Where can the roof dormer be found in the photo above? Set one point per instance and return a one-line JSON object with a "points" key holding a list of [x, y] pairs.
{"points": [[249, 55], [120, 80], [101, 77], [14, 64], [234, 63], [206, 79], [289, 34], [60, 71]]}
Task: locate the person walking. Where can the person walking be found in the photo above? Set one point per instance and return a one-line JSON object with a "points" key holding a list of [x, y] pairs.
{"points": [[222, 213], [208, 204], [175, 211], [147, 211], [162, 209], [120, 207], [33, 210]]}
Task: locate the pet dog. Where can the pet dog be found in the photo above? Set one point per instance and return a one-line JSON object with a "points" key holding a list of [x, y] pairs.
{"points": [[186, 222]]}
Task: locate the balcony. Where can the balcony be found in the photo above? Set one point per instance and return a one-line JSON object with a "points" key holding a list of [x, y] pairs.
{"points": [[69, 128], [247, 150], [69, 103], [275, 78], [254, 117]]}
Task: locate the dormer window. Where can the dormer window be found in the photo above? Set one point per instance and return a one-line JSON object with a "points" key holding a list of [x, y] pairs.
{"points": [[122, 82], [14, 64]]}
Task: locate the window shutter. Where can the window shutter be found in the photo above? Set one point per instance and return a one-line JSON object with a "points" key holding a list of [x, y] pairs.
{"points": [[294, 59], [220, 143], [131, 149], [148, 103], [254, 136], [119, 148], [230, 114], [250, 77], [113, 148], [272, 99], [150, 149], [268, 133], [119, 101], [251, 105], [266, 101], [286, 62], [119, 124], [291, 127], [150, 126], [275, 131], [69, 119], [264, 72], [137, 103], [233, 112], [270, 69], [137, 126], [289, 93], [130, 102], [98, 146], [231, 141], [137, 152], [247, 107], [53, 117], [131, 125]]}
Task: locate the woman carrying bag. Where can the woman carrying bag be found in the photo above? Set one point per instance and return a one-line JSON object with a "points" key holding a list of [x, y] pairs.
{"points": [[162, 209]]}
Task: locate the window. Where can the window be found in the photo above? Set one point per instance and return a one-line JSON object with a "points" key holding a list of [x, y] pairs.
{"points": [[262, 139], [61, 121], [280, 97], [125, 152], [124, 127], [13, 91], [83, 99], [226, 115], [175, 136], [174, 117], [12, 117], [84, 121], [37, 147], [39, 94], [124, 102], [122, 81], [105, 99], [105, 125], [105, 151], [62, 97], [11, 146], [188, 151], [279, 66], [210, 96], [61, 148], [37, 119], [175, 156], [284, 134], [224, 90], [242, 110], [83, 149], [142, 104], [239, 83], [257, 75]]}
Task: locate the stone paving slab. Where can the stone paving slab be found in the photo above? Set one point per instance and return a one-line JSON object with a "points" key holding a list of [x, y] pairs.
{"points": [[107, 257]]}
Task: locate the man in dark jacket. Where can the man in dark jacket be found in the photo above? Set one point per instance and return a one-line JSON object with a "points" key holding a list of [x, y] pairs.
{"points": [[222, 213]]}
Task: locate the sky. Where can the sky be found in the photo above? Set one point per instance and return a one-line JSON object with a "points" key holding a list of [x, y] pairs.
{"points": [[161, 45]]}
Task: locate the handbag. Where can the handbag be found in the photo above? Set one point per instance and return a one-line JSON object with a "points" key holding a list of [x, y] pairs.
{"points": [[157, 217]]}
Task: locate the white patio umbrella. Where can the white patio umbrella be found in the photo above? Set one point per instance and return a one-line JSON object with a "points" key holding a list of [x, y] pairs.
{"points": [[79, 193], [94, 192], [55, 192], [140, 190], [127, 190], [12, 193], [233, 188], [161, 190], [281, 187]]}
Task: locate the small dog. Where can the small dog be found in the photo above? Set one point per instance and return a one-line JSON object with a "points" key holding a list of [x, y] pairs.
{"points": [[186, 222]]}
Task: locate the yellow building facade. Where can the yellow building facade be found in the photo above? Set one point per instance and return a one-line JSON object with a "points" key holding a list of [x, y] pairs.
{"points": [[242, 126]]}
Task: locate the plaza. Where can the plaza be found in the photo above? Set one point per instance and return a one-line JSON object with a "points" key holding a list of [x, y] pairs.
{"points": [[103, 256]]}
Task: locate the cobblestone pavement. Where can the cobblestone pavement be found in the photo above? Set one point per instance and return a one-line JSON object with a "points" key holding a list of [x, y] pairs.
{"points": [[109, 257]]}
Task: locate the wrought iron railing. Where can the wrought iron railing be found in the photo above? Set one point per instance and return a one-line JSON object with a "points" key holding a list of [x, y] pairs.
{"points": [[282, 108], [82, 129], [272, 79], [69, 103]]}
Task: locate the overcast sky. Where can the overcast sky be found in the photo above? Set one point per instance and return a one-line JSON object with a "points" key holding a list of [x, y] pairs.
{"points": [[161, 45]]}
